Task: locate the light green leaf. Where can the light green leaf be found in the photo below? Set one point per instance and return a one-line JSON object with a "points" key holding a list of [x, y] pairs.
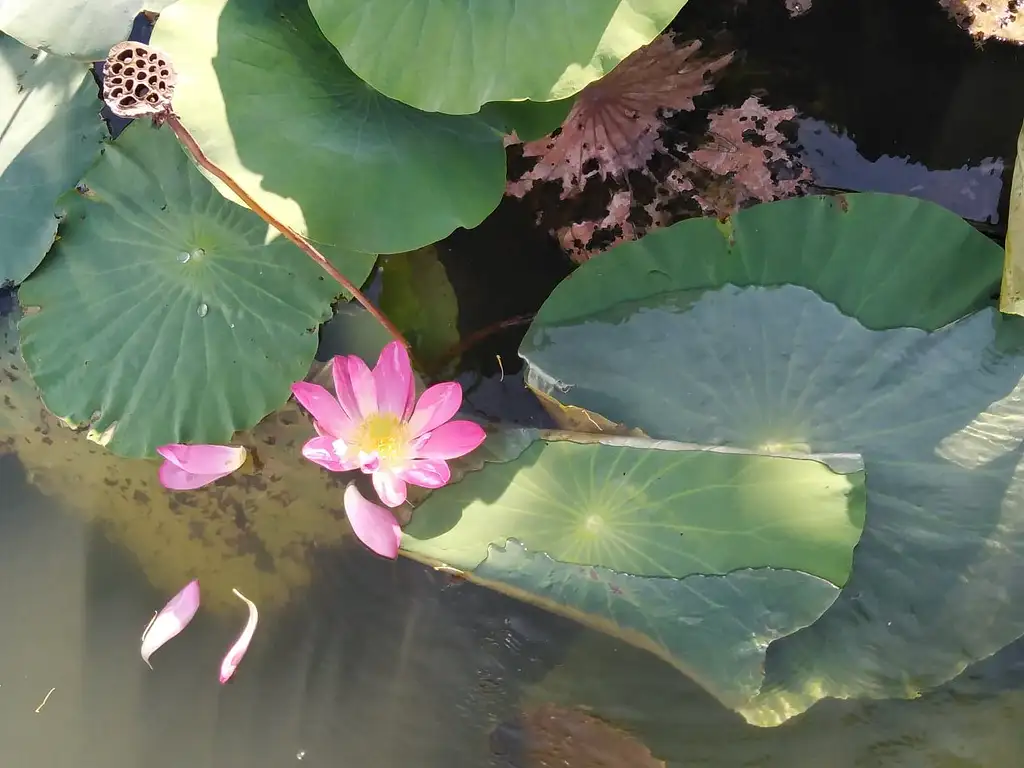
{"points": [[453, 56], [417, 297], [163, 314], [938, 417], [273, 104], [83, 29], [701, 556], [530, 120], [51, 134], [1011, 295], [887, 259]]}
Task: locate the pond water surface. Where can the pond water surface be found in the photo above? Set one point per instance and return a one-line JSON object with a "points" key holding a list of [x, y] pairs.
{"points": [[382, 665]]}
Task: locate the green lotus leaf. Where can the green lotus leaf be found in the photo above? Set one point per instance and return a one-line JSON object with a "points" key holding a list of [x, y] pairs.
{"points": [[166, 313], [530, 120], [83, 29], [937, 415], [1011, 296], [417, 297], [702, 556], [886, 259], [453, 56], [273, 104], [52, 133]]}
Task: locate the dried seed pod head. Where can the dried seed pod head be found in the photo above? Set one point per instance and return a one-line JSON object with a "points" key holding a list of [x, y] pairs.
{"points": [[138, 81]]}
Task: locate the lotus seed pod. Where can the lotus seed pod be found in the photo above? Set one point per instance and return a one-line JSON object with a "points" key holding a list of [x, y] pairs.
{"points": [[138, 81]]}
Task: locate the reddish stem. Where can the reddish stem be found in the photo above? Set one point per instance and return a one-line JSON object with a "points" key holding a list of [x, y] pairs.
{"points": [[304, 245], [457, 350]]}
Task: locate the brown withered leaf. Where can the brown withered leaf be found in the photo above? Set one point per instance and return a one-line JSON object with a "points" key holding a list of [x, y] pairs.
{"points": [[984, 19], [572, 418], [747, 149], [744, 161], [570, 738], [614, 125]]}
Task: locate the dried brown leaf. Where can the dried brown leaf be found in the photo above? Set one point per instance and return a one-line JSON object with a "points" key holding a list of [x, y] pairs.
{"points": [[747, 148], [745, 161], [1000, 19], [613, 126], [570, 738]]}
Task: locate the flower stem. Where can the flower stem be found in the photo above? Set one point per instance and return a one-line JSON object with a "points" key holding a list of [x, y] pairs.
{"points": [[304, 245], [458, 349]]}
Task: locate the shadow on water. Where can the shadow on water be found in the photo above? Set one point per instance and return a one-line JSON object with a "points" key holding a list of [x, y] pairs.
{"points": [[378, 664]]}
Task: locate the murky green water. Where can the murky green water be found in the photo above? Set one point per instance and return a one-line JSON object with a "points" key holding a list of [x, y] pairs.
{"points": [[377, 665]]}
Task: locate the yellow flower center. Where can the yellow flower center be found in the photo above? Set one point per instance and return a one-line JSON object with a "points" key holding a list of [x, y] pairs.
{"points": [[383, 433]]}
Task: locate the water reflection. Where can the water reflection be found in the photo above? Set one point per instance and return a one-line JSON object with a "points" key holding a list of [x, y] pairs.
{"points": [[381, 665]]}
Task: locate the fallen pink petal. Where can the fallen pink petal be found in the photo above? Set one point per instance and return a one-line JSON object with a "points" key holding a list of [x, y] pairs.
{"points": [[372, 524], [237, 651], [374, 423], [187, 467], [171, 620]]}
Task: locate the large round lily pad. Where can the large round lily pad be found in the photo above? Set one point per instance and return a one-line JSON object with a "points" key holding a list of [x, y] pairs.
{"points": [[273, 104], [887, 259], [163, 314], [703, 557], [937, 415], [51, 134], [452, 55], [83, 29]]}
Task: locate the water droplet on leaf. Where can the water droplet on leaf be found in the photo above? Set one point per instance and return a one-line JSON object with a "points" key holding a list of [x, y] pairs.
{"points": [[202, 309], [196, 253]]}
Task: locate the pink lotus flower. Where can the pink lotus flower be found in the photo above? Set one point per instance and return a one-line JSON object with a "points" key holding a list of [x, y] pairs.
{"points": [[173, 618], [375, 424], [187, 467]]}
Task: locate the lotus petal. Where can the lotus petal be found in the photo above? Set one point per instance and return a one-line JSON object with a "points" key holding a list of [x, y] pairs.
{"points": [[237, 651], [174, 617]]}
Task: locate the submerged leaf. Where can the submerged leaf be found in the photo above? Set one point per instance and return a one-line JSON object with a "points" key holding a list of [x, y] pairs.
{"points": [[417, 297], [570, 738], [234, 656], [745, 160], [613, 126], [747, 150], [171, 620], [999, 19]]}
